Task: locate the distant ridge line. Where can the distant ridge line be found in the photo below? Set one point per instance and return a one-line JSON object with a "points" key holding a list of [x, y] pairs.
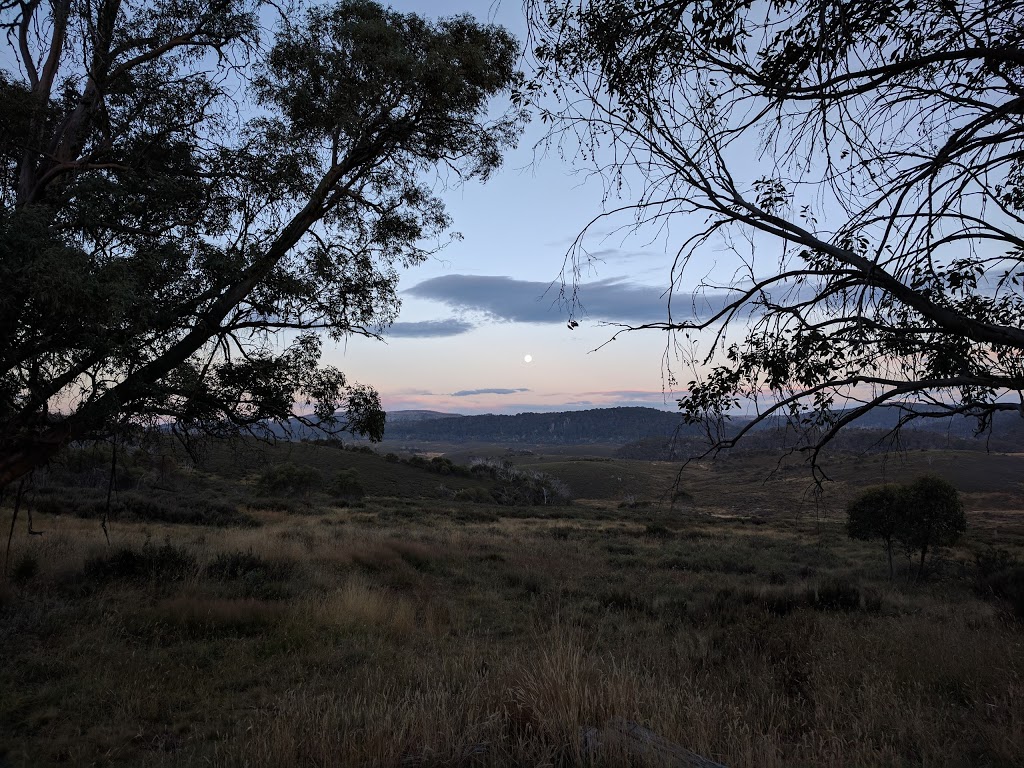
{"points": [[618, 424]]}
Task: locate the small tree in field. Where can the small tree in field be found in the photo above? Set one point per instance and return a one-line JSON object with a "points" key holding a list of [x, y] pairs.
{"points": [[877, 514], [934, 516], [926, 514]]}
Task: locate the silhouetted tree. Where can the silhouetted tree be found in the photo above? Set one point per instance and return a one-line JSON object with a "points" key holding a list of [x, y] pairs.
{"points": [[934, 517], [920, 516], [877, 513], [187, 200], [863, 161]]}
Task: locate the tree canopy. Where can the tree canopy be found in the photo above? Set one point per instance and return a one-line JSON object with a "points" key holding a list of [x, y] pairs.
{"points": [[861, 159], [190, 201], [924, 514]]}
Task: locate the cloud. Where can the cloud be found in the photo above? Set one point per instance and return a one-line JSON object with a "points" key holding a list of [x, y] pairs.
{"points": [[471, 392], [613, 299], [429, 328]]}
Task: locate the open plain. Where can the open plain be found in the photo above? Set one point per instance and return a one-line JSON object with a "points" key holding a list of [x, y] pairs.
{"points": [[724, 609]]}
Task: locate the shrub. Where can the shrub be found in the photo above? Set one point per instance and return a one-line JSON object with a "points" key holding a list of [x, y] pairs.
{"points": [[657, 531], [181, 510], [476, 495], [289, 479], [346, 486], [476, 515], [234, 565], [1000, 575], [259, 578], [54, 505], [89, 467], [681, 494], [520, 487], [151, 563], [25, 568], [441, 465], [835, 595]]}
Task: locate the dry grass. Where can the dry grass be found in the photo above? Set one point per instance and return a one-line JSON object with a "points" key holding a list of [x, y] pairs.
{"points": [[368, 636]]}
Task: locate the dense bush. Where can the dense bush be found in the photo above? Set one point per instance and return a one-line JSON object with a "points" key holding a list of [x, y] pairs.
{"points": [[477, 495], [346, 486], [289, 479], [234, 565], [533, 488], [1000, 575], [522, 486], [163, 563], [90, 467], [25, 568], [257, 577], [179, 509], [444, 466], [441, 465]]}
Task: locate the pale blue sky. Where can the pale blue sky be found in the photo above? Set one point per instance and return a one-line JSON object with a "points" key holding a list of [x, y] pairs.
{"points": [[472, 314]]}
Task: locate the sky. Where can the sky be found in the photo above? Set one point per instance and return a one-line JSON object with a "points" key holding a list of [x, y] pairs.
{"points": [[481, 328]]}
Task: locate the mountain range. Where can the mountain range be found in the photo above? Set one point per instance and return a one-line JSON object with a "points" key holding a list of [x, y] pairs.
{"points": [[651, 433]]}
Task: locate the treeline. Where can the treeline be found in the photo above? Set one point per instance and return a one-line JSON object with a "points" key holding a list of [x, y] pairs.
{"points": [[852, 440]]}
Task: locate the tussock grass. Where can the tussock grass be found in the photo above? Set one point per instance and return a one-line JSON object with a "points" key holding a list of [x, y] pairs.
{"points": [[398, 631]]}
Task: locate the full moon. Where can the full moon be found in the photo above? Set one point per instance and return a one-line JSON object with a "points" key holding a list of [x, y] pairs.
{"points": [[528, 359]]}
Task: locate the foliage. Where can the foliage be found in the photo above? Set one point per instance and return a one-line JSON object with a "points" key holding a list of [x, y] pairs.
{"points": [[25, 568], [934, 517], [188, 200], [861, 160], [522, 486], [346, 485], [1001, 575], [196, 508], [569, 427], [289, 479], [165, 563], [506, 635], [877, 513], [925, 514], [475, 495]]}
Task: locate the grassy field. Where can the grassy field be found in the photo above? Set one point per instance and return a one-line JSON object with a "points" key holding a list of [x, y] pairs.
{"points": [[411, 629]]}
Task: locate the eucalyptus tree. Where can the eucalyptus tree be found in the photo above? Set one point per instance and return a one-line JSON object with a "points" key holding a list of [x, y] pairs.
{"points": [[195, 192], [861, 159]]}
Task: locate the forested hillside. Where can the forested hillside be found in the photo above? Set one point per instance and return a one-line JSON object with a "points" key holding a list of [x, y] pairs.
{"points": [[597, 425]]}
